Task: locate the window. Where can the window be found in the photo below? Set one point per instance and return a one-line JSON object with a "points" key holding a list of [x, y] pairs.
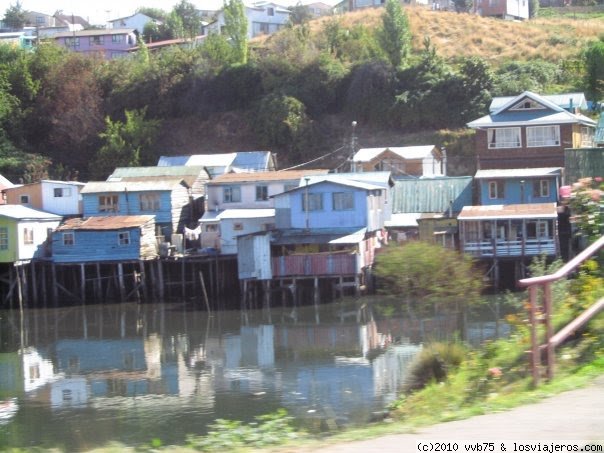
{"points": [[238, 226], [314, 201], [542, 229], [108, 203], [587, 137], [541, 188], [232, 194], [268, 226], [28, 236], [528, 104], [72, 42], [123, 238], [543, 136], [117, 38], [508, 137], [68, 239], [263, 28], [496, 190], [149, 201], [24, 199], [343, 201], [3, 238], [270, 11], [211, 228], [60, 192], [97, 40], [261, 193]]}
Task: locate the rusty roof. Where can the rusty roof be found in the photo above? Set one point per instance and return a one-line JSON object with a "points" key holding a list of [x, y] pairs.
{"points": [[283, 175], [510, 211], [106, 223]]}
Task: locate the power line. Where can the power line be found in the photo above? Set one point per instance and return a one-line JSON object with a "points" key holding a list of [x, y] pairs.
{"points": [[314, 160]]}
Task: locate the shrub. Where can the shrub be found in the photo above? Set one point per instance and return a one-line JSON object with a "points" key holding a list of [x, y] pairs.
{"points": [[433, 364]]}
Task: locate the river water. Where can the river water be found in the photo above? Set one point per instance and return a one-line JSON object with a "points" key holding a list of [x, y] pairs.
{"points": [[76, 378]]}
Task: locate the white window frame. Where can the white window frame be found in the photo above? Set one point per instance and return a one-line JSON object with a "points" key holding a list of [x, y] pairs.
{"points": [[117, 38], [261, 193], [504, 137], [68, 238], [541, 189], [109, 203], [231, 194], [97, 40], [61, 192], [28, 236], [123, 238], [343, 201], [542, 136], [542, 229], [149, 202], [24, 199], [496, 190]]}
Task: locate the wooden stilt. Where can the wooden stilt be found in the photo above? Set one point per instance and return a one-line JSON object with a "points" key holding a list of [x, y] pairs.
{"points": [[204, 292], [160, 280], [34, 283], [83, 282], [55, 290], [143, 280], [122, 288], [98, 283], [183, 286]]}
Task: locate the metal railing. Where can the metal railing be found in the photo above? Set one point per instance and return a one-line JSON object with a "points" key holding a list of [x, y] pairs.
{"points": [[551, 341]]}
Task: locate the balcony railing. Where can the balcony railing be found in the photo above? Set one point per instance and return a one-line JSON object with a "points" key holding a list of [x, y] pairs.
{"points": [[314, 264], [528, 247]]}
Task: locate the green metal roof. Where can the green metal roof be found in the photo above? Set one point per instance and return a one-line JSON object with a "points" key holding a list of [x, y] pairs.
{"points": [[431, 194]]}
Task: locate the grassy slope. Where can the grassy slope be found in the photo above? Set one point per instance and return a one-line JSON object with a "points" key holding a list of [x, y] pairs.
{"points": [[454, 36]]}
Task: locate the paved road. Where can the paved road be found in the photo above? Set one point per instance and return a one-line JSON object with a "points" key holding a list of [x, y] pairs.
{"points": [[576, 415]]}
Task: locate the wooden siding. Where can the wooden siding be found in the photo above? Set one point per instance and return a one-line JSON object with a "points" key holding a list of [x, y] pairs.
{"points": [[91, 245], [253, 257], [523, 157], [33, 191], [513, 193], [583, 163], [314, 264], [17, 249]]}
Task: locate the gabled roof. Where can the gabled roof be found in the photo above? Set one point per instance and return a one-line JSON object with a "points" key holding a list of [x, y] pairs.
{"points": [[510, 211], [518, 173], [50, 181], [20, 212], [97, 32], [566, 101], [378, 178], [345, 183], [5, 183], [134, 15], [549, 114], [121, 173], [431, 195], [318, 236], [154, 185], [405, 152], [265, 176], [106, 223]]}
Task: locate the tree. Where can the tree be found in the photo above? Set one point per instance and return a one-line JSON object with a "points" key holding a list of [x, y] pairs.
{"points": [[174, 26], [235, 26], [125, 143], [14, 16], [423, 273], [395, 35], [300, 14], [594, 70], [463, 6], [191, 20]]}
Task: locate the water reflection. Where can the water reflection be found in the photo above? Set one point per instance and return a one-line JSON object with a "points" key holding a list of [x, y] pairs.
{"points": [[129, 373]]}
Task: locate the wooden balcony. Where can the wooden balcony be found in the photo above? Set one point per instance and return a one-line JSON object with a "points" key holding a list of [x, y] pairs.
{"points": [[314, 264], [502, 248]]}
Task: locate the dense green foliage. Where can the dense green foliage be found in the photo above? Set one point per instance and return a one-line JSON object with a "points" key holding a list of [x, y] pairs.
{"points": [[293, 91]]}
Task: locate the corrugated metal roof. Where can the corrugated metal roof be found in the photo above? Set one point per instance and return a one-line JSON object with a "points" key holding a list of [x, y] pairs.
{"points": [[431, 195], [205, 160], [132, 186], [403, 220], [96, 32], [511, 211], [340, 182], [20, 212], [565, 100], [137, 172], [518, 172], [379, 178], [252, 160], [106, 223], [406, 152], [246, 213], [599, 135], [210, 216], [284, 175], [317, 236]]}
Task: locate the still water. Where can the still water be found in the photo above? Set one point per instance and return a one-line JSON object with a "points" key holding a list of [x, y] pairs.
{"points": [[76, 378]]}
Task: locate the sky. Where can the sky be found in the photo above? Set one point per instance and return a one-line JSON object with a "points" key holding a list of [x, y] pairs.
{"points": [[98, 12]]}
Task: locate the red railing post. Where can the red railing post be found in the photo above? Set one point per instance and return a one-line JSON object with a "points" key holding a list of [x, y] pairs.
{"points": [[549, 329], [535, 355]]}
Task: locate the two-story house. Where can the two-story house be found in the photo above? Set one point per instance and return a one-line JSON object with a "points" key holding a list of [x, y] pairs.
{"points": [[108, 43], [401, 161], [57, 197], [242, 203], [166, 198], [327, 228], [263, 18], [530, 130]]}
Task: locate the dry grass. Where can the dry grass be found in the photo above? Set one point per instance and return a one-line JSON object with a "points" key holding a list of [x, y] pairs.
{"points": [[462, 35]]}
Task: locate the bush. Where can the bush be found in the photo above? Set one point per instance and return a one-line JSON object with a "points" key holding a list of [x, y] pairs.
{"points": [[433, 364]]}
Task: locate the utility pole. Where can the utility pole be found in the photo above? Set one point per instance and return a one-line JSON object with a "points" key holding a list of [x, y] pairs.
{"points": [[353, 147]]}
